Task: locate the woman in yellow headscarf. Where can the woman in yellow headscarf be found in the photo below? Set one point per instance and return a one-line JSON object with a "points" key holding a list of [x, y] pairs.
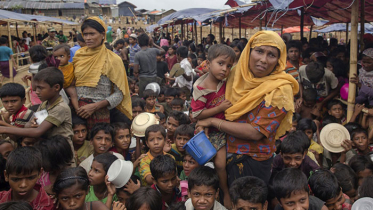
{"points": [[262, 95], [101, 81]]}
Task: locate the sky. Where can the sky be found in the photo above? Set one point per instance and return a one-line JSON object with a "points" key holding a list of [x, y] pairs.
{"points": [[177, 4]]}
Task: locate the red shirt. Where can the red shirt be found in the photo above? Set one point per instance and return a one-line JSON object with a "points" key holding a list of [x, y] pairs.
{"points": [[176, 197], [171, 62], [41, 202], [20, 118]]}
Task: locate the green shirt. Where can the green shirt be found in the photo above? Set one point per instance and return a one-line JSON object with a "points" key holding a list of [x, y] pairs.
{"points": [[92, 197], [109, 37], [62, 38], [183, 176]]}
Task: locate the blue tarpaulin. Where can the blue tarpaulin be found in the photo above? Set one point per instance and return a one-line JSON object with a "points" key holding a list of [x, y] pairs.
{"points": [[342, 27], [7, 15], [186, 13]]}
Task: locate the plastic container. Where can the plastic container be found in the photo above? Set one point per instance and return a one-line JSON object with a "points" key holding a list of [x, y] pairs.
{"points": [[200, 148], [120, 172]]}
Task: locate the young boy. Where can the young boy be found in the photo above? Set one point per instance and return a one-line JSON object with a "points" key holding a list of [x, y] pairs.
{"points": [[309, 127], [184, 81], [203, 190], [335, 109], [150, 98], [359, 136], [209, 101], [294, 155], [315, 76], [292, 191], [294, 60], [174, 120], [13, 97], [177, 104], [22, 171], [249, 193], [62, 53], [82, 147], [189, 164], [307, 108], [169, 95], [48, 84], [324, 185], [182, 135], [101, 139], [155, 140], [165, 181]]}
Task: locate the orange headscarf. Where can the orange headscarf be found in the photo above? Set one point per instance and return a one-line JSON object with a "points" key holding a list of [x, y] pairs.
{"points": [[277, 89], [91, 63]]}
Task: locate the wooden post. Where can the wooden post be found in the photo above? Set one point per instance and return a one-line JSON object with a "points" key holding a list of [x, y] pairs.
{"points": [[310, 33], [362, 24], [260, 26], [172, 31], [182, 30], [301, 22], [353, 58], [232, 32], [239, 28], [195, 31], [220, 31], [17, 30], [34, 29], [347, 33], [211, 28], [282, 29], [201, 36], [10, 60], [245, 32]]}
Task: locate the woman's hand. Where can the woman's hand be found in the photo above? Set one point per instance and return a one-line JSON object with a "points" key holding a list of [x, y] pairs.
{"points": [[118, 206], [86, 110], [110, 187]]}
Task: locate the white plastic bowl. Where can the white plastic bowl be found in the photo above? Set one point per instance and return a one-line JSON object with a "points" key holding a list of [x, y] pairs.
{"points": [[142, 122], [120, 172]]}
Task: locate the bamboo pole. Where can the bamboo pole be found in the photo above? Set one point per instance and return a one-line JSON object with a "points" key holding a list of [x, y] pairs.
{"points": [[201, 35], [239, 27], [232, 33], [282, 30], [10, 60], [362, 25], [220, 31], [17, 30], [195, 31], [310, 33], [182, 30], [347, 33], [353, 58], [211, 28], [301, 22], [34, 29], [245, 32], [260, 26]]}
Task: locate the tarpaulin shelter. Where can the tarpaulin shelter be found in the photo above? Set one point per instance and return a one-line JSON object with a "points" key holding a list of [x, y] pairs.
{"points": [[6, 17], [342, 27], [295, 29]]}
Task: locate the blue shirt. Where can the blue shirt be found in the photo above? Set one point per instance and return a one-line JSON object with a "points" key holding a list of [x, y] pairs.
{"points": [[133, 50], [73, 51], [5, 53]]}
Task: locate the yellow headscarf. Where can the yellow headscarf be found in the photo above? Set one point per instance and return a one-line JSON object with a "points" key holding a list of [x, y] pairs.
{"points": [[277, 89], [91, 63]]}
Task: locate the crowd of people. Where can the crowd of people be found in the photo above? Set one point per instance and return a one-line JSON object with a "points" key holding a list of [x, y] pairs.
{"points": [[272, 108]]}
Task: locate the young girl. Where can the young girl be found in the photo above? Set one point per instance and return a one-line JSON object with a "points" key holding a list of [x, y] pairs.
{"points": [[145, 198], [238, 48], [100, 188], [57, 155], [122, 140], [172, 58], [138, 106], [71, 188]]}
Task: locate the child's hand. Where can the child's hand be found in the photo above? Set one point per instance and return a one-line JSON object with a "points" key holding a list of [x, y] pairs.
{"points": [[131, 186], [137, 162], [359, 108], [110, 187], [118, 206], [5, 115], [347, 145], [355, 80], [167, 146], [225, 105], [298, 103]]}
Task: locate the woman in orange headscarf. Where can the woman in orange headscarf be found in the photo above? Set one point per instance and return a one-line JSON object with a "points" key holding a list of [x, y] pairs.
{"points": [[101, 81], [262, 95]]}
